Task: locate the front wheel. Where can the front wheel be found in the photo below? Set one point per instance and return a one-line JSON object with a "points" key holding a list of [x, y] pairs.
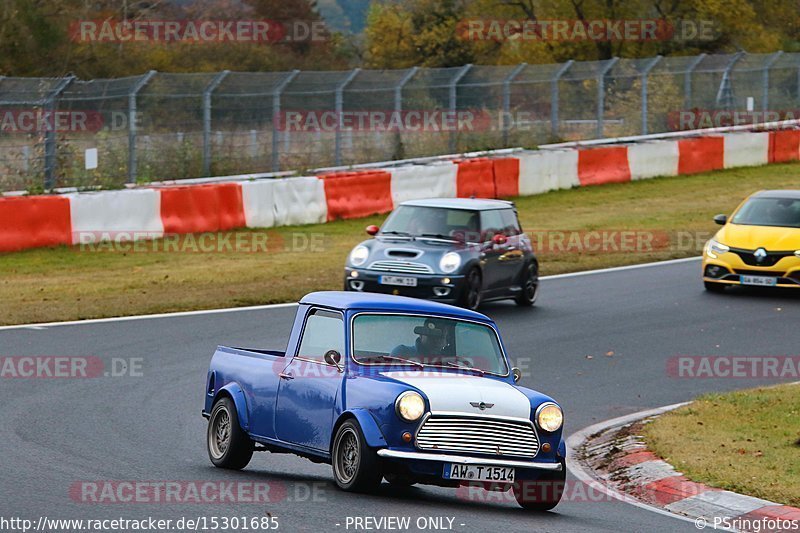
{"points": [[228, 445], [471, 295], [355, 464], [541, 494], [530, 286], [714, 287]]}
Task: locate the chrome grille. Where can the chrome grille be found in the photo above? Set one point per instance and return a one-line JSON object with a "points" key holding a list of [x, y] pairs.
{"points": [[480, 435], [404, 267]]}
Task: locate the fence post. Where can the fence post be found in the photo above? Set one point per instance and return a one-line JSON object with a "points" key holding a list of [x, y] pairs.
{"points": [[276, 110], [645, 73], [207, 119], [132, 160], [687, 81], [765, 80], [507, 100], [453, 103], [554, 96], [398, 108], [50, 147], [725, 91], [339, 106], [601, 94]]}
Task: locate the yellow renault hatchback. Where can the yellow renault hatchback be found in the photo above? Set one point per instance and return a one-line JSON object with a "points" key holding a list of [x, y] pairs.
{"points": [[759, 245]]}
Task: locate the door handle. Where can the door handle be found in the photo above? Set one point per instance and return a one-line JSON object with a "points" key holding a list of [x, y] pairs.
{"points": [[284, 375]]}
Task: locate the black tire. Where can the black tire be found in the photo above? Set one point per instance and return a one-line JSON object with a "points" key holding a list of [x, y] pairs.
{"points": [[471, 294], [541, 494], [530, 286], [355, 465], [228, 445], [399, 480], [714, 287]]}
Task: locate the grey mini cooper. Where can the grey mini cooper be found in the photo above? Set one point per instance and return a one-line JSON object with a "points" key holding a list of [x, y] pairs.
{"points": [[460, 251]]}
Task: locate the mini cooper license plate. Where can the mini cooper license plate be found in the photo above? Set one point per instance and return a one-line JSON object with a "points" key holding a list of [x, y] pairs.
{"points": [[479, 473], [401, 281], [761, 281]]}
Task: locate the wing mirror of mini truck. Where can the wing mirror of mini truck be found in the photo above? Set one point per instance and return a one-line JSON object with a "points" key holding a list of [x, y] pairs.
{"points": [[499, 239], [721, 219], [334, 358], [372, 229], [517, 373]]}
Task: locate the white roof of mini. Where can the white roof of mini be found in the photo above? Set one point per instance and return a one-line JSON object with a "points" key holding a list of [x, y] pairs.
{"points": [[473, 204]]}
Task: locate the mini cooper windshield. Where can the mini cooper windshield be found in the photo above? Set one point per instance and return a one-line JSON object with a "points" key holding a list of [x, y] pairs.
{"points": [[433, 222], [424, 342], [782, 212]]}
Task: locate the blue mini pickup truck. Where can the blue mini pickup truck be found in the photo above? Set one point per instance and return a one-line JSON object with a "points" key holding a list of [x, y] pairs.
{"points": [[389, 387]]}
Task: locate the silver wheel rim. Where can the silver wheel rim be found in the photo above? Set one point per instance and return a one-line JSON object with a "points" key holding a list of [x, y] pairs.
{"points": [[219, 435], [348, 455]]}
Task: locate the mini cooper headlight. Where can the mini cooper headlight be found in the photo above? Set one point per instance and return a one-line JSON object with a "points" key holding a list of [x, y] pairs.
{"points": [[714, 248], [549, 417], [450, 262], [359, 255], [410, 406]]}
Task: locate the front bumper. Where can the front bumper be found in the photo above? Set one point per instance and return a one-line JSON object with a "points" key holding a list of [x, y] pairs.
{"points": [[466, 460], [440, 287], [728, 268]]}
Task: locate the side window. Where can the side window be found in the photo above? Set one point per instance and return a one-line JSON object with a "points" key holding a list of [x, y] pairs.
{"points": [[510, 222], [324, 331], [491, 224]]}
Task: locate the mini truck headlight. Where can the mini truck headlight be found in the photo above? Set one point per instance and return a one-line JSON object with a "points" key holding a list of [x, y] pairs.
{"points": [[410, 406], [450, 262], [549, 417], [359, 255]]}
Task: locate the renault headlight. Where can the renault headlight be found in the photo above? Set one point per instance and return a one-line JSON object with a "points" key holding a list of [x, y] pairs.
{"points": [[450, 262], [549, 417], [410, 406], [359, 255], [714, 248]]}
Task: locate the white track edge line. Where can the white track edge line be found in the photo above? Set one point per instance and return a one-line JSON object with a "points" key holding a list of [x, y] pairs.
{"points": [[178, 314]]}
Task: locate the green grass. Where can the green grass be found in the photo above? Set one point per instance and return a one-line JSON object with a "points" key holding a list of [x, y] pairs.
{"points": [[67, 283], [746, 441]]}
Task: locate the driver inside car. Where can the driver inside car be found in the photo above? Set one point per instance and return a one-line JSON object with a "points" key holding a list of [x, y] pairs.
{"points": [[431, 342]]}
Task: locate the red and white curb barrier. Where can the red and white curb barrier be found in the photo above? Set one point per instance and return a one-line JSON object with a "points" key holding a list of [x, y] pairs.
{"points": [[612, 456], [155, 211]]}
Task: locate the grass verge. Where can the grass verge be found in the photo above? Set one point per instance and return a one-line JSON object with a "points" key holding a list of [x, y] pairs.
{"points": [[70, 283], [747, 442]]}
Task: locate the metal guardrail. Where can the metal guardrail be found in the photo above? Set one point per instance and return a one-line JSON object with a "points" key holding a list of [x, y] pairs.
{"points": [[164, 126]]}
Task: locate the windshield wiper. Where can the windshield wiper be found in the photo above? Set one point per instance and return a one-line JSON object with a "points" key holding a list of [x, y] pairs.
{"points": [[402, 360], [400, 233], [465, 367], [437, 236]]}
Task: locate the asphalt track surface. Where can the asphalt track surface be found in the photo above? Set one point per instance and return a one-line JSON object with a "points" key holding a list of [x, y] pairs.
{"points": [[56, 432]]}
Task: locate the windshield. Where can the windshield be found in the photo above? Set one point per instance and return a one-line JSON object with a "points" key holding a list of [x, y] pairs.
{"points": [[459, 224], [784, 212], [427, 342]]}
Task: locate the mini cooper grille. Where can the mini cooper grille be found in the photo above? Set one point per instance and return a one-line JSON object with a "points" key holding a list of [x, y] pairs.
{"points": [[479, 435], [404, 267]]}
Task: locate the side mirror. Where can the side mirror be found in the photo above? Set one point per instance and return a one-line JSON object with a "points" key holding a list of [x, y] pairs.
{"points": [[517, 373], [721, 219], [332, 357], [372, 229], [499, 239]]}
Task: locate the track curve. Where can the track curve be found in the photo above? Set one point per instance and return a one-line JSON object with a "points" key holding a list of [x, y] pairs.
{"points": [[55, 433]]}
